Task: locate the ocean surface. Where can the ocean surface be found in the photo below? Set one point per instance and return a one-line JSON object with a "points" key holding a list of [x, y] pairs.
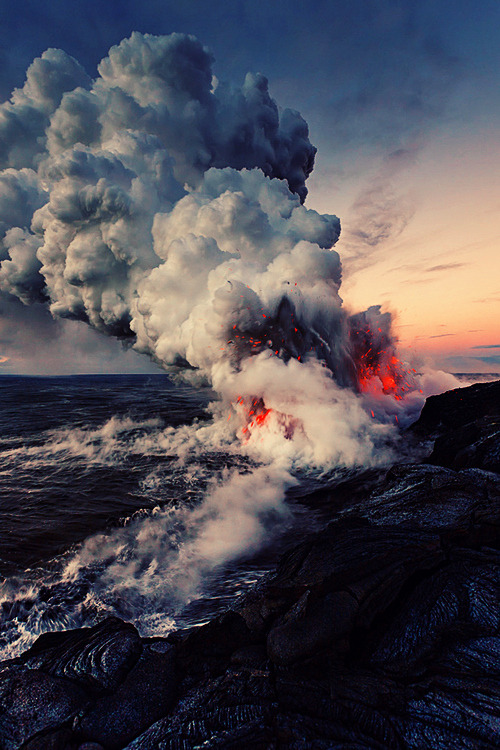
{"points": [[65, 465], [107, 508], [100, 515]]}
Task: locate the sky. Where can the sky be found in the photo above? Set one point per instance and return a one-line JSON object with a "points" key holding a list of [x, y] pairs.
{"points": [[402, 102]]}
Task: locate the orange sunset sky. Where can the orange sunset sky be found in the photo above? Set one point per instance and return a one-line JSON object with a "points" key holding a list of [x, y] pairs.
{"points": [[440, 274]]}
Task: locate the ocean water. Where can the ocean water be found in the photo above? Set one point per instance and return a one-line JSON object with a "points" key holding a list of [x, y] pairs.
{"points": [[67, 465], [129, 495], [100, 514]]}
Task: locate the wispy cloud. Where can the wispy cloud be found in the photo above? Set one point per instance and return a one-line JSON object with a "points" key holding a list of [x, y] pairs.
{"points": [[377, 215], [482, 300], [495, 360], [466, 363], [445, 267], [392, 108]]}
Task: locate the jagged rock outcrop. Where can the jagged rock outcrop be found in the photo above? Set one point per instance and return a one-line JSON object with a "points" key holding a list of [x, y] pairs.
{"points": [[380, 631], [466, 424]]}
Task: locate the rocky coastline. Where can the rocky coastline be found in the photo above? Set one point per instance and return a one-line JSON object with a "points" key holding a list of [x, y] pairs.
{"points": [[379, 631]]}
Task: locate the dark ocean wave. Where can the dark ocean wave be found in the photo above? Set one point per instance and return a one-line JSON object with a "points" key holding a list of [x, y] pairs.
{"points": [[67, 461], [99, 513]]}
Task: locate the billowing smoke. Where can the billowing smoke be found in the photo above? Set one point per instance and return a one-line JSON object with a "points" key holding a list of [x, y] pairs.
{"points": [[167, 209], [131, 201]]}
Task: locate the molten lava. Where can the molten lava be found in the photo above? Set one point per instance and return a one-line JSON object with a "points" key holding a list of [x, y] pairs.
{"points": [[377, 367], [393, 377], [254, 412]]}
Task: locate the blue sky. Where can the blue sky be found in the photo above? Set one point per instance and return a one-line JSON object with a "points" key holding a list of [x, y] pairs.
{"points": [[402, 100], [371, 71]]}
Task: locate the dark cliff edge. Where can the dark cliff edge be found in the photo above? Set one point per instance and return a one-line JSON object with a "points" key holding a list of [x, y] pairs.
{"points": [[379, 631]]}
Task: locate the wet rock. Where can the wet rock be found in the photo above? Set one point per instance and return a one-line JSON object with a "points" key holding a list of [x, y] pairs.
{"points": [[325, 623], [208, 650], [466, 426], [61, 739], [454, 409], [232, 710], [31, 702], [423, 496], [352, 573], [461, 595], [250, 656], [145, 695], [474, 444], [97, 657]]}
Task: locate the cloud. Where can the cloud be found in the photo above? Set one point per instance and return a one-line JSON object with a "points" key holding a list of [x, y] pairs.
{"points": [[20, 195], [486, 346], [463, 362], [419, 269], [405, 75], [138, 197], [490, 360], [32, 342], [380, 213], [20, 273], [385, 103], [25, 118], [445, 267]]}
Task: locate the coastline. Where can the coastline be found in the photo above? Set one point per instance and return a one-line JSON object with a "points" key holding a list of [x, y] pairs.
{"points": [[380, 630]]}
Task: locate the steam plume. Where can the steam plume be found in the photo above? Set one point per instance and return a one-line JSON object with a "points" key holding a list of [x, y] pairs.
{"points": [[120, 204], [167, 209]]}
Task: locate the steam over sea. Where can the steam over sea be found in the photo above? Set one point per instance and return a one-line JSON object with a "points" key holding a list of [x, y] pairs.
{"points": [[88, 485], [106, 508], [119, 495]]}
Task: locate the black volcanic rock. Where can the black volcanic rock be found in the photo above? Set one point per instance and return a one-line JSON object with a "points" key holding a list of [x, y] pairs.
{"points": [[423, 496], [474, 444], [32, 701], [380, 631], [466, 426], [376, 637], [144, 696], [97, 658], [105, 683], [454, 409]]}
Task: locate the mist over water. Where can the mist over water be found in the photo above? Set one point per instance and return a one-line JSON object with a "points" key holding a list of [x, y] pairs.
{"points": [[198, 508]]}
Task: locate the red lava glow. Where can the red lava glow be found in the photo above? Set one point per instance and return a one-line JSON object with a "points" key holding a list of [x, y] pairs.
{"points": [[252, 411], [378, 368], [389, 372]]}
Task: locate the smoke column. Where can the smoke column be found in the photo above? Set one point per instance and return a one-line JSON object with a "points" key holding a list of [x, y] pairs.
{"points": [[165, 208]]}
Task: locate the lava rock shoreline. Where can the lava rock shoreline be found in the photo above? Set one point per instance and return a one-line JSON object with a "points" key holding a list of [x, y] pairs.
{"points": [[379, 631]]}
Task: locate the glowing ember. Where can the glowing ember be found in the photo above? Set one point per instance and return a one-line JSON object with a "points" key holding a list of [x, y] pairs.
{"points": [[377, 366], [252, 412], [261, 418], [389, 373]]}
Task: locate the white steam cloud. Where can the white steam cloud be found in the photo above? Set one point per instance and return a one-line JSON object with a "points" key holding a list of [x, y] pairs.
{"points": [[166, 209], [120, 203]]}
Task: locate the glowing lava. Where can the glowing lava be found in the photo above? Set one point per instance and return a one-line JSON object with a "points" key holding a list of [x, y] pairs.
{"points": [[253, 412], [378, 367]]}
